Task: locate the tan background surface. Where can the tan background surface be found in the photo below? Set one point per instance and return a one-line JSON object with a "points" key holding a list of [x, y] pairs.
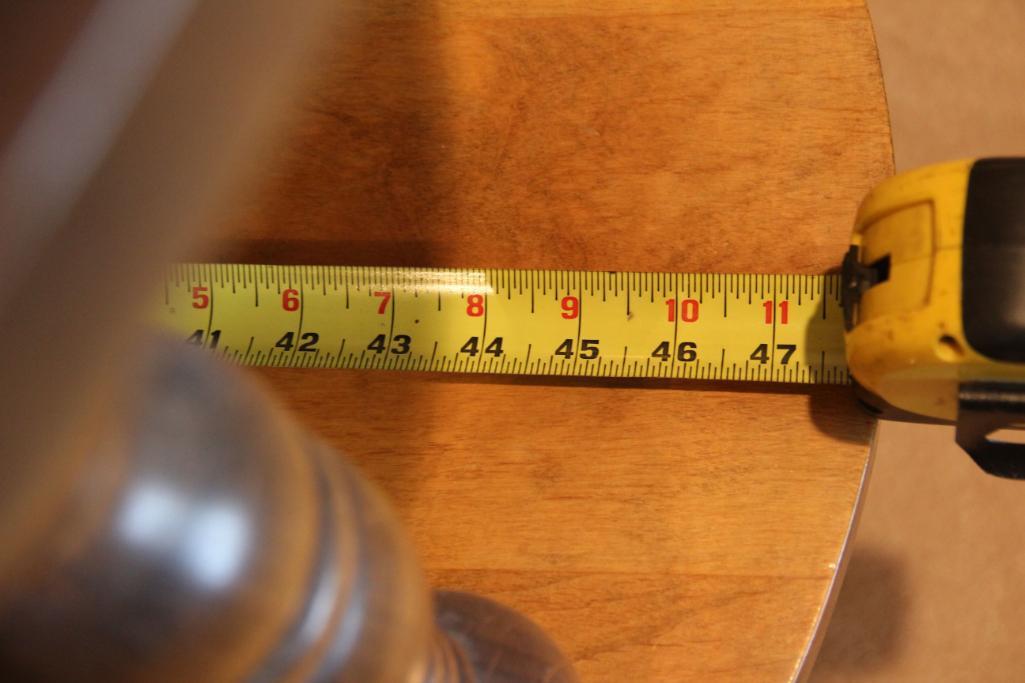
{"points": [[935, 589]]}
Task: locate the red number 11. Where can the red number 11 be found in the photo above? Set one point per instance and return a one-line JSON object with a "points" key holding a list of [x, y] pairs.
{"points": [[784, 312]]}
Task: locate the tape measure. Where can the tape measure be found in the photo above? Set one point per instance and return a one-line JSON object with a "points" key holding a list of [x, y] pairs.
{"points": [[780, 328], [928, 309]]}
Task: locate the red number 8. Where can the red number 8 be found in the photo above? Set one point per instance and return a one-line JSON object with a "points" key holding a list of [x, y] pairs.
{"points": [[475, 305]]}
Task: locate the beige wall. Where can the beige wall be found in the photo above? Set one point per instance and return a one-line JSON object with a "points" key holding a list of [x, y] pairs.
{"points": [[935, 589]]}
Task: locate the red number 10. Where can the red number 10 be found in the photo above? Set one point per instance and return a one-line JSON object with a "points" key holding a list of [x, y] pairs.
{"points": [[688, 310]]}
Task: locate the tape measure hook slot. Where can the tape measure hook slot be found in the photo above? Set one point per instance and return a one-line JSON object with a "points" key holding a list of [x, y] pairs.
{"points": [[857, 278]]}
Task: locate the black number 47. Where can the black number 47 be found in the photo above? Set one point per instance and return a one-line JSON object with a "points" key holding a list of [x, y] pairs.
{"points": [[761, 353]]}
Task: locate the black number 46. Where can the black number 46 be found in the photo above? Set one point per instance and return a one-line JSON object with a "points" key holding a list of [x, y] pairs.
{"points": [[686, 352]]}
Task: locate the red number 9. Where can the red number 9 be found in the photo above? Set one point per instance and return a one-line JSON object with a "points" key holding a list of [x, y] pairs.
{"points": [[570, 307]]}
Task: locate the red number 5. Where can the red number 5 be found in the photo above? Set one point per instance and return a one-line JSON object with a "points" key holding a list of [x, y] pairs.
{"points": [[290, 300], [199, 298]]}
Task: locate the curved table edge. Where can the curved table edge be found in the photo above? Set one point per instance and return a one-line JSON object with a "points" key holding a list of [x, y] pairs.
{"points": [[806, 662]]}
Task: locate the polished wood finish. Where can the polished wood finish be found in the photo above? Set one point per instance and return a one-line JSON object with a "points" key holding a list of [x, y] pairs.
{"points": [[662, 530]]}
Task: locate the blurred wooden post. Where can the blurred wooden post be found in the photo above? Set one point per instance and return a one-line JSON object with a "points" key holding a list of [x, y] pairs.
{"points": [[159, 518]]}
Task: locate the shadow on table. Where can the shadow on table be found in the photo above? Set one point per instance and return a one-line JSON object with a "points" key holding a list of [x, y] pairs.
{"points": [[359, 179], [868, 622], [312, 252], [830, 407]]}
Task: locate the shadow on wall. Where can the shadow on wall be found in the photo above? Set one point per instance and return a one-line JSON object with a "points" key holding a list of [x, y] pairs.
{"points": [[869, 620]]}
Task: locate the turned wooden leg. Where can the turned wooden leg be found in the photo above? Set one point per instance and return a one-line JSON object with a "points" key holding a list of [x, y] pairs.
{"points": [[210, 538]]}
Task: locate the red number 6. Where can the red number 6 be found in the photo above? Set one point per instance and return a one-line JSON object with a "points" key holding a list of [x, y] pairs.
{"points": [[290, 300]]}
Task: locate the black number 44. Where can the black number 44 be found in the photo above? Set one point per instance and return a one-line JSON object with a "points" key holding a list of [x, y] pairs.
{"points": [[761, 353], [472, 347]]}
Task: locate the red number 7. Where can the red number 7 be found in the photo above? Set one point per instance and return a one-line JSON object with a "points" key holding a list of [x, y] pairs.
{"points": [[385, 298]]}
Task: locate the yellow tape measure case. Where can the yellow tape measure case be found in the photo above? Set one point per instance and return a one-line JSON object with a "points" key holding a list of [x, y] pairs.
{"points": [[934, 289]]}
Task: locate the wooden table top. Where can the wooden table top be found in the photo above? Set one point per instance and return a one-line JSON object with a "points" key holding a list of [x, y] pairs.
{"points": [[658, 530]]}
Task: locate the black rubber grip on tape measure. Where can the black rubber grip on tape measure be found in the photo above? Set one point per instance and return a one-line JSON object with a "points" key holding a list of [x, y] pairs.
{"points": [[993, 259]]}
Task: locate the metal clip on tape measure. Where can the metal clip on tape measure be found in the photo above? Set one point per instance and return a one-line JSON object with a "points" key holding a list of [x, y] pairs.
{"points": [[928, 314], [934, 303]]}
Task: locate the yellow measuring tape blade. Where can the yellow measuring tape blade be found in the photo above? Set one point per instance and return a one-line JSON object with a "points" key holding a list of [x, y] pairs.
{"points": [[781, 328]]}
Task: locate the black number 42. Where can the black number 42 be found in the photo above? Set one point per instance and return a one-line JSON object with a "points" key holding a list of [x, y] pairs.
{"points": [[307, 341]]}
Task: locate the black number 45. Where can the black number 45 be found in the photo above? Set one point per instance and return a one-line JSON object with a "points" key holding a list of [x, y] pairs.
{"points": [[588, 349]]}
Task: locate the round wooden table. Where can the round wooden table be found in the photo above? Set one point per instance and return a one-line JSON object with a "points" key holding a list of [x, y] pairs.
{"points": [[658, 530]]}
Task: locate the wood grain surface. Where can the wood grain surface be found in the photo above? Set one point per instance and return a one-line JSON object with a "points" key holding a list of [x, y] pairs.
{"points": [[659, 531]]}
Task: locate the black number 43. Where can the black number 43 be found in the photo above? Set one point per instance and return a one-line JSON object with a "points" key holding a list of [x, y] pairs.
{"points": [[399, 344]]}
